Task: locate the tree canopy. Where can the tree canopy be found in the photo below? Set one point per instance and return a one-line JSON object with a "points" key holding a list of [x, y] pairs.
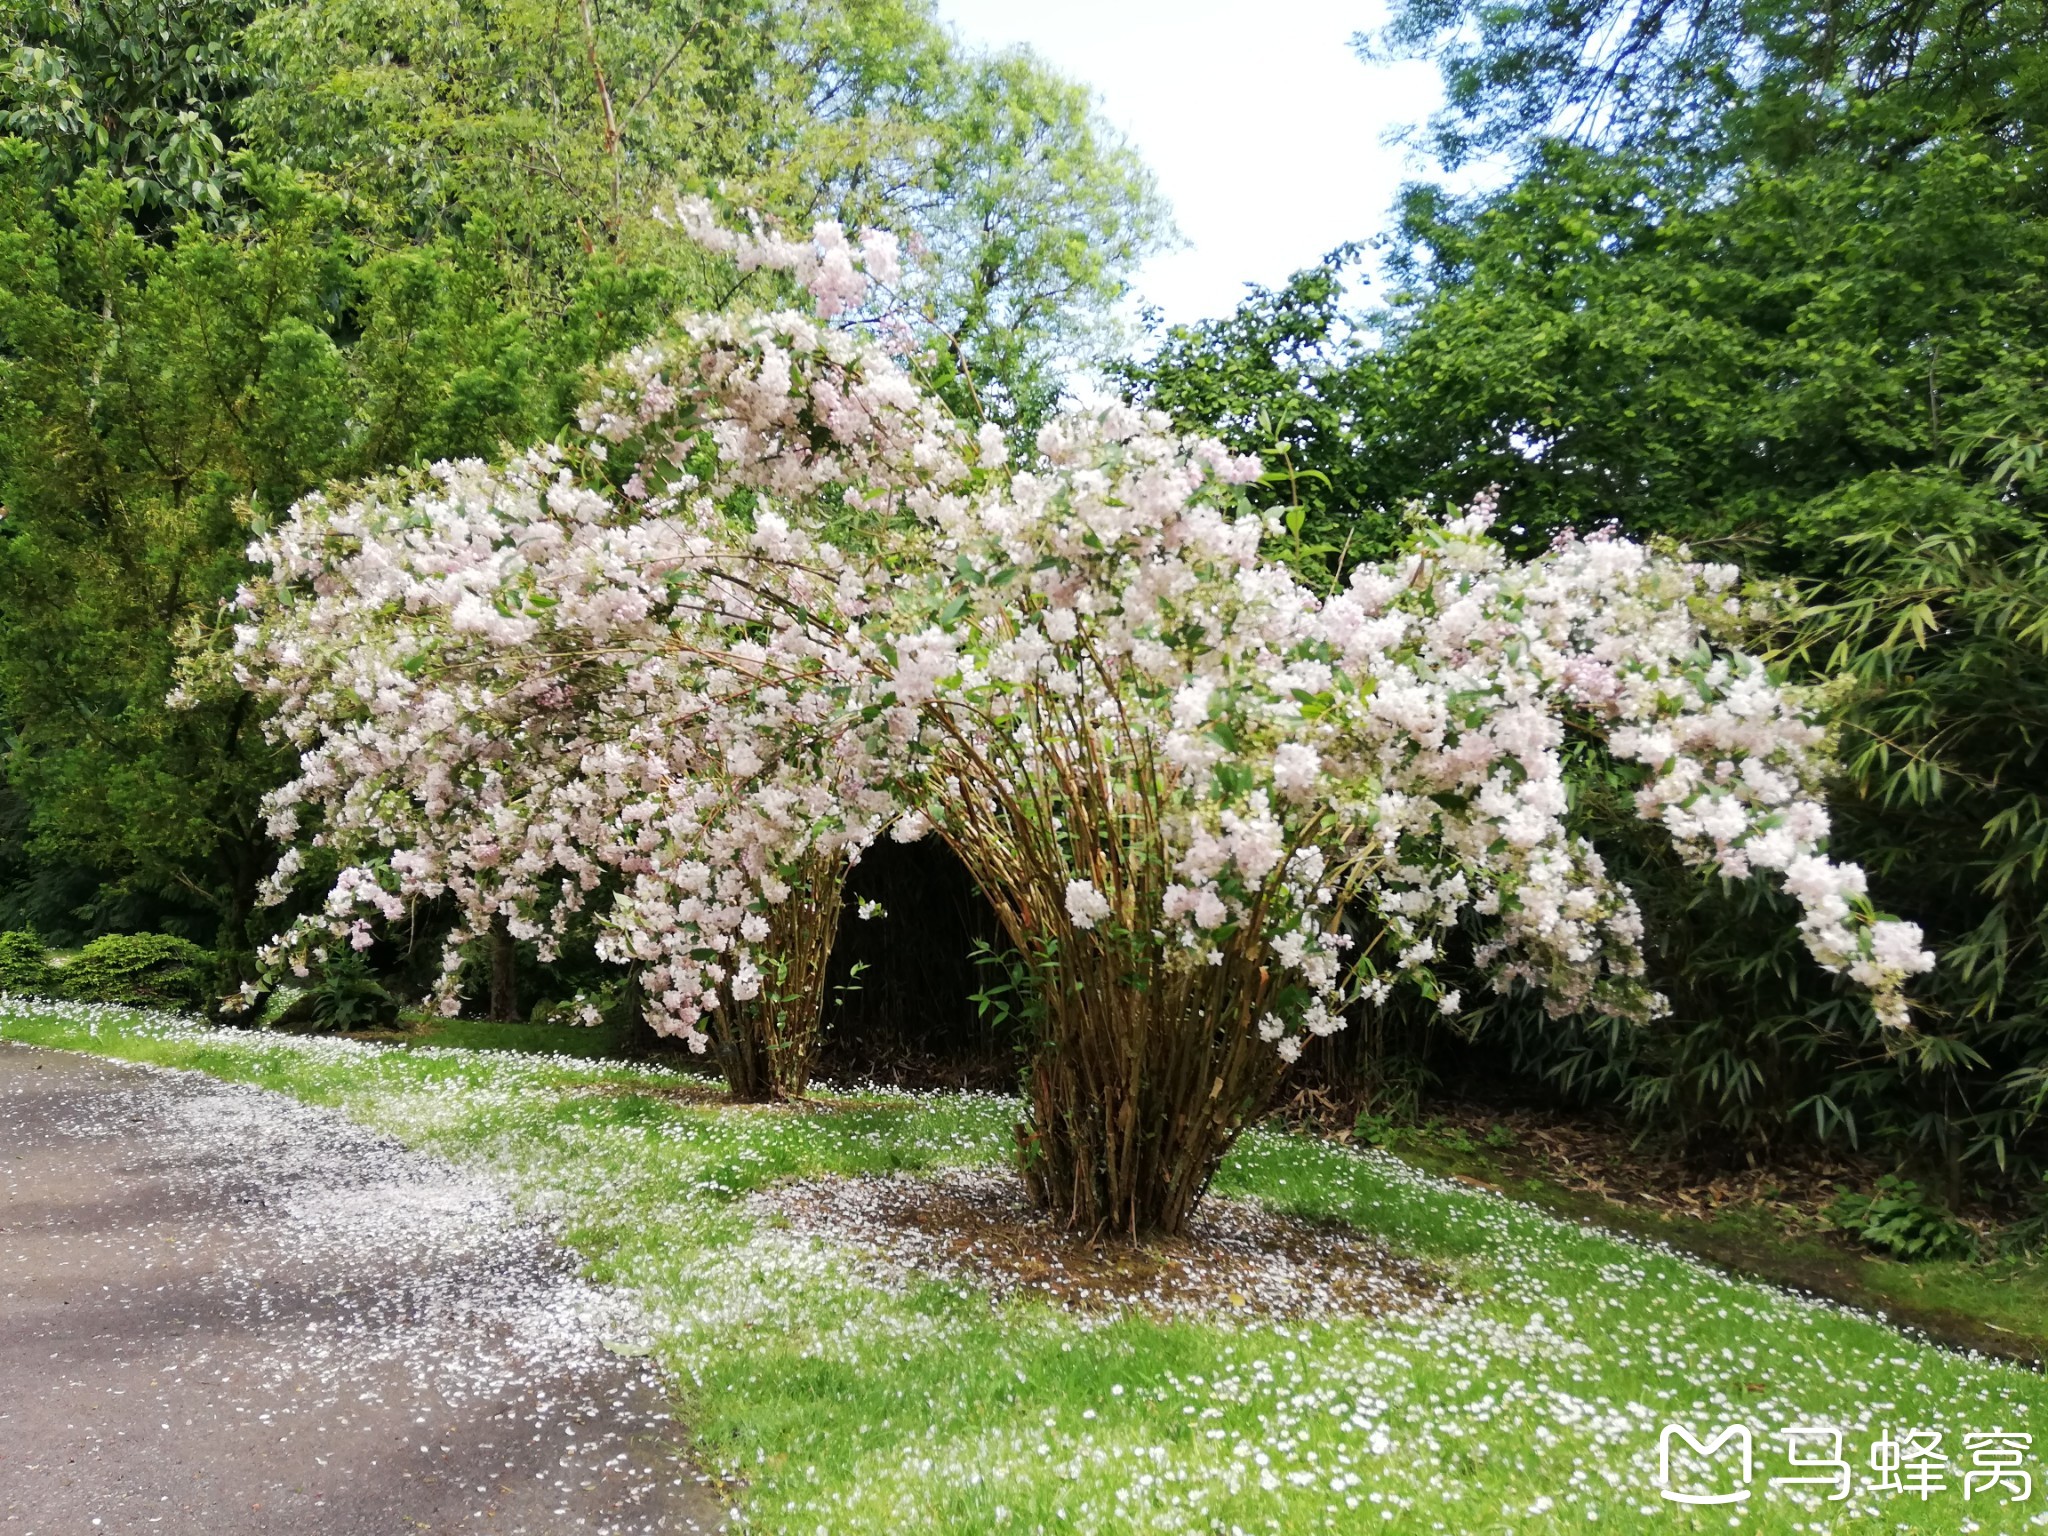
{"points": [[249, 247]]}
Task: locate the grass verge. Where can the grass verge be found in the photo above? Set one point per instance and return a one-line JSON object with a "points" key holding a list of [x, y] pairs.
{"points": [[832, 1399], [1998, 1306]]}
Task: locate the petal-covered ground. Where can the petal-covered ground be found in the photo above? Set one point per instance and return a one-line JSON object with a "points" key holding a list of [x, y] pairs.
{"points": [[840, 1395], [225, 1311]]}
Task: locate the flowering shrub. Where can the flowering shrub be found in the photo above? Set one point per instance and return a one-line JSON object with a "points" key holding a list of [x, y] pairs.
{"points": [[511, 688], [492, 702], [1212, 808]]}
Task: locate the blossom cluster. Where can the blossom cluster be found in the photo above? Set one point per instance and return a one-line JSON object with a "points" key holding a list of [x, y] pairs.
{"points": [[599, 673], [514, 690], [777, 599], [1107, 614], [839, 274]]}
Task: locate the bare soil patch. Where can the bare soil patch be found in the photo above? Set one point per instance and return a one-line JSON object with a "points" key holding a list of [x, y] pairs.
{"points": [[1590, 1152], [1237, 1257], [1595, 1156]]}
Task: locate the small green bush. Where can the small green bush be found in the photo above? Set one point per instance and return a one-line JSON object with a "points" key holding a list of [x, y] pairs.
{"points": [[285, 1008], [145, 970], [343, 995], [347, 996], [1901, 1221], [25, 968]]}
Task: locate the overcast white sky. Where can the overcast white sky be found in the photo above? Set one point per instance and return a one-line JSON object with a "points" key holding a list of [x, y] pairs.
{"points": [[1265, 131]]}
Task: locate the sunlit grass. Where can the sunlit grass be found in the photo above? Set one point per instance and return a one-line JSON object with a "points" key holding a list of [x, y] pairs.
{"points": [[2007, 1293], [834, 1400]]}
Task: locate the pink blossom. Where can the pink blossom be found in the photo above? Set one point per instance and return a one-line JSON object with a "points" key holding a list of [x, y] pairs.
{"points": [[1086, 905]]}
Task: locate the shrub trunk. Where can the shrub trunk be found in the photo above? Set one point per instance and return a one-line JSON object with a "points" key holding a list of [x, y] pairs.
{"points": [[504, 948], [1141, 1081], [767, 1044], [1146, 1058]]}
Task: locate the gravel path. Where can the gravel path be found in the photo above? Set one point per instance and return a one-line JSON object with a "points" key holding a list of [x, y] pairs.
{"points": [[225, 1312]]}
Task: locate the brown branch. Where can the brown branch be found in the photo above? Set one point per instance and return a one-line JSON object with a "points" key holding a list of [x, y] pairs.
{"points": [[604, 96]]}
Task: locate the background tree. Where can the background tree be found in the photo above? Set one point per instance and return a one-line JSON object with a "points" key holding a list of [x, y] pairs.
{"points": [[395, 231], [566, 122], [1031, 219], [1285, 373], [1723, 80], [142, 89], [143, 391]]}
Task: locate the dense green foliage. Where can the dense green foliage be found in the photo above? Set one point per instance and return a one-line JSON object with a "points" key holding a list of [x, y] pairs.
{"points": [[25, 966], [1715, 81], [141, 970], [249, 248], [1900, 1220], [139, 89], [567, 125], [1785, 304], [147, 970], [154, 398], [1273, 378], [345, 995]]}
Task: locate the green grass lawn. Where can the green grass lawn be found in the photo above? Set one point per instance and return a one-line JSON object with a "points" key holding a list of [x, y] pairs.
{"points": [[1999, 1304], [835, 1401]]}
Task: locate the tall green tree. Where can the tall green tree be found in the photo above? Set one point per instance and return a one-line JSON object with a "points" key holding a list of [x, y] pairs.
{"points": [[1287, 376], [144, 392], [248, 246], [1720, 81], [560, 122], [568, 123], [157, 395], [142, 89], [1032, 216]]}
